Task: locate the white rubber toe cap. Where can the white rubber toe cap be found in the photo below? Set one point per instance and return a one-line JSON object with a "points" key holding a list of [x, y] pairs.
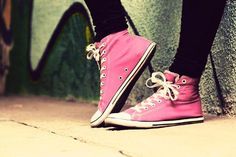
{"points": [[121, 115], [95, 116]]}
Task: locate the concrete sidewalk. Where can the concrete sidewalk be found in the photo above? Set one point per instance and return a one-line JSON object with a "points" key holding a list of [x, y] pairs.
{"points": [[47, 127]]}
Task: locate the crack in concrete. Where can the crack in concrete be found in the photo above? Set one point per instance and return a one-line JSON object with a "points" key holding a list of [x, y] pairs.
{"points": [[122, 152], [50, 131]]}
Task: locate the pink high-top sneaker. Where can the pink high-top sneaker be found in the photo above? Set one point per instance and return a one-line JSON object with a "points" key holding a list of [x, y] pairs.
{"points": [[176, 101], [121, 58]]}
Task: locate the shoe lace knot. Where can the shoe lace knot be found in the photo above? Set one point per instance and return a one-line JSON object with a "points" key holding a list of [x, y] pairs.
{"points": [[165, 89], [94, 52]]}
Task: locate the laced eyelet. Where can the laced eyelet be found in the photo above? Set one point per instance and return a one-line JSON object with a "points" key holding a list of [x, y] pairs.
{"points": [[103, 60], [153, 105], [103, 68], [103, 75], [103, 52], [102, 83], [184, 81], [102, 45], [101, 92]]}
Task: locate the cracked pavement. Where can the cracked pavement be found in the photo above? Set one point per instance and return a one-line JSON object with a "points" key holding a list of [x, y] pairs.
{"points": [[43, 126]]}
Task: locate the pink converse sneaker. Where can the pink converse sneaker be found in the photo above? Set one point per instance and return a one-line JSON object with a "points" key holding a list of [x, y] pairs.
{"points": [[176, 101], [121, 58]]}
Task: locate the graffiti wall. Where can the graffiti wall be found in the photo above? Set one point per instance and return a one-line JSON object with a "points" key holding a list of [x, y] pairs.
{"points": [[50, 36], [49, 58]]}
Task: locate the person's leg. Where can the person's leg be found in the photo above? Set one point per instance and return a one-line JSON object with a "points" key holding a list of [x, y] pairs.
{"points": [[108, 17], [177, 100], [121, 57], [5, 21], [5, 41], [200, 21]]}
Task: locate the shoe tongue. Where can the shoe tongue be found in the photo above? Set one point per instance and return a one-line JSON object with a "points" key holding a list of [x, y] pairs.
{"points": [[171, 76], [98, 44]]}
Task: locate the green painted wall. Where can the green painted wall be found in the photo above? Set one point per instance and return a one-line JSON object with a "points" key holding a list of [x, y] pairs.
{"points": [[66, 71]]}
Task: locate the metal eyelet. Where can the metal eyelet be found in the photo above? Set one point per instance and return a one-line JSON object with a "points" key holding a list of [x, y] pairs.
{"points": [[159, 101], [153, 105], [103, 60], [120, 78], [103, 75], [101, 92], [104, 67], [126, 69], [184, 81], [103, 52], [178, 86], [103, 45]]}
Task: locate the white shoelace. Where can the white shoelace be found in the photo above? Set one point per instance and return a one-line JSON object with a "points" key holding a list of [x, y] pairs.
{"points": [[93, 52], [166, 89]]}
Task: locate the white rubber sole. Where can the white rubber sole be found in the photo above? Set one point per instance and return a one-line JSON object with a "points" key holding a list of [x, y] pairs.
{"points": [[138, 124], [123, 87]]}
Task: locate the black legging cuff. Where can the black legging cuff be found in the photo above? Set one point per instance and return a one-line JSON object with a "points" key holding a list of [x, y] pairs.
{"points": [[189, 67], [110, 26], [108, 17]]}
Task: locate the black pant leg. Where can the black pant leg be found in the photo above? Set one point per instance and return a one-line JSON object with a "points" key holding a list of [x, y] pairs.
{"points": [[200, 21], [108, 17]]}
